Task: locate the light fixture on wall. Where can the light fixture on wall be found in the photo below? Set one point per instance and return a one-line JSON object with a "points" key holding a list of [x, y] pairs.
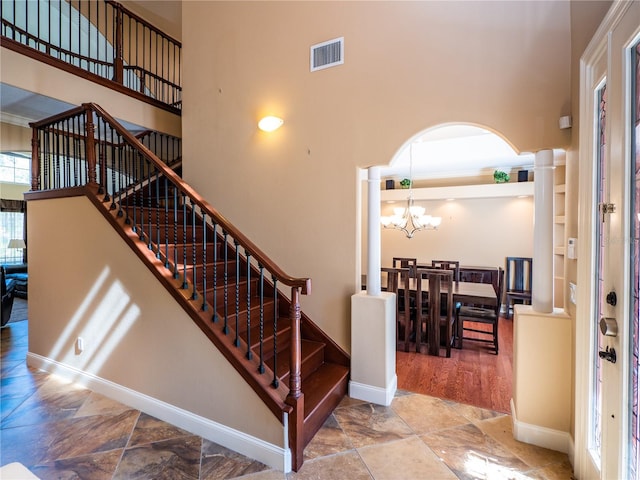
{"points": [[270, 123], [411, 218]]}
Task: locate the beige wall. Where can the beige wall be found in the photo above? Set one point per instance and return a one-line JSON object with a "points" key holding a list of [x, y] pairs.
{"points": [[409, 66], [478, 232], [135, 334], [14, 138], [34, 76]]}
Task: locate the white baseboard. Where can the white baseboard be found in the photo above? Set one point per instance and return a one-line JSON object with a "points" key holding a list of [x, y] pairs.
{"points": [[541, 436], [377, 395], [267, 453]]}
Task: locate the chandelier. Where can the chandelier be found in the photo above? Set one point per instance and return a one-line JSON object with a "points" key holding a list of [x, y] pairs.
{"points": [[412, 218]]}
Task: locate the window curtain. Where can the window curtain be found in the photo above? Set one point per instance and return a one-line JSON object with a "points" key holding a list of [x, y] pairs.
{"points": [[13, 224]]}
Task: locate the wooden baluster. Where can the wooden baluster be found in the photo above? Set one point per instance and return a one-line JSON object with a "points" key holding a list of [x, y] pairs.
{"points": [[35, 160], [296, 396], [90, 145], [118, 61]]}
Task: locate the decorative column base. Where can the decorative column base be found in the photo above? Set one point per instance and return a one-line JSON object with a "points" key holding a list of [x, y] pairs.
{"points": [[373, 348]]}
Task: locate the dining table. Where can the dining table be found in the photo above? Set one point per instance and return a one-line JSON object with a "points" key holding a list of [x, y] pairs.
{"points": [[463, 292]]}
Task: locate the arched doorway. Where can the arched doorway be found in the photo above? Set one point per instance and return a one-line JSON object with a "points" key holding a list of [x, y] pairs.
{"points": [[451, 168]]}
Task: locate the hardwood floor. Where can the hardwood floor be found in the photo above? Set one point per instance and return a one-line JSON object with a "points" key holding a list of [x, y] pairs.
{"points": [[473, 375]]}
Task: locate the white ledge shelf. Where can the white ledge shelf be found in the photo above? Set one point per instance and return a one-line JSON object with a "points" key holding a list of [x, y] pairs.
{"points": [[492, 190]]}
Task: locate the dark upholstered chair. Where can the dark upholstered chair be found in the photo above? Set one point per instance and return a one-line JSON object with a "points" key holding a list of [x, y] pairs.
{"points": [[477, 314], [8, 291]]}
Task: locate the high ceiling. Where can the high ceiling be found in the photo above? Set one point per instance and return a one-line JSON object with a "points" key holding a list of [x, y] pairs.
{"points": [[454, 150]]}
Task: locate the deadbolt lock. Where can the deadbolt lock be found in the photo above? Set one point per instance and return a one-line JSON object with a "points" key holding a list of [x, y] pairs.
{"points": [[609, 326]]}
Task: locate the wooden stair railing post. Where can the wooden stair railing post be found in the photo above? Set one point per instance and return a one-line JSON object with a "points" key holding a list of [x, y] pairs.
{"points": [[296, 397], [118, 61], [35, 161], [90, 145]]}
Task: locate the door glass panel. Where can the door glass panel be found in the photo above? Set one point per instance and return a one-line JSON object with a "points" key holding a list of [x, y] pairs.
{"points": [[635, 262], [596, 420]]}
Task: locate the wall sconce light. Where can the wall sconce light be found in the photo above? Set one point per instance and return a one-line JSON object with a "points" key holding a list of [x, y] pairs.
{"points": [[270, 123]]}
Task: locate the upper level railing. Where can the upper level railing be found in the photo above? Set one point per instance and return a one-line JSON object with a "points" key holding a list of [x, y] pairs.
{"points": [[220, 269], [101, 38]]}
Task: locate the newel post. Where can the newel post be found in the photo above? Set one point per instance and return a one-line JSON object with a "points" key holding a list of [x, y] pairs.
{"points": [[35, 160], [118, 61], [90, 145], [296, 397]]}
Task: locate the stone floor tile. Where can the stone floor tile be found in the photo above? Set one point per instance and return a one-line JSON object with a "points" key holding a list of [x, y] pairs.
{"points": [[98, 466], [98, 404], [149, 429], [471, 454], [219, 462], [425, 414], [86, 435], [330, 439], [341, 466], [500, 428], [409, 459], [369, 424], [177, 459]]}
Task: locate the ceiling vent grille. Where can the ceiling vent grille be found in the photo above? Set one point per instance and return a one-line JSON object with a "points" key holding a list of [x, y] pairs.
{"points": [[327, 54]]}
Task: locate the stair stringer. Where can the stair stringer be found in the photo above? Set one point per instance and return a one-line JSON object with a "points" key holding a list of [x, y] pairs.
{"points": [[274, 398], [50, 324]]}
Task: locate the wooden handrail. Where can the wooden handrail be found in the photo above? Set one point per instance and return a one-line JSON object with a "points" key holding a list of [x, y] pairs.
{"points": [[303, 283], [137, 18], [158, 80]]}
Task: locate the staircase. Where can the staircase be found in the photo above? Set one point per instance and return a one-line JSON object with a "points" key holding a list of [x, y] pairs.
{"points": [[224, 282]]}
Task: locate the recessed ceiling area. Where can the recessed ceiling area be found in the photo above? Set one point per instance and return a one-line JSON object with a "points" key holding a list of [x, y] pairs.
{"points": [[19, 107], [455, 151]]}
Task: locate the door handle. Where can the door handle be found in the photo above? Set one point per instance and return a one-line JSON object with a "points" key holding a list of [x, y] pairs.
{"points": [[609, 354]]}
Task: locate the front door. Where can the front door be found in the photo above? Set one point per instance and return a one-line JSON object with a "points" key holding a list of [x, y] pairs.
{"points": [[606, 315]]}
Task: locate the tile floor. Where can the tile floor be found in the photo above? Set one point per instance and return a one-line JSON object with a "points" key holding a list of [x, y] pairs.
{"points": [[62, 431]]}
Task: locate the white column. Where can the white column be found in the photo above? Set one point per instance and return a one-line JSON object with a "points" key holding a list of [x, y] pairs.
{"points": [[542, 288], [373, 319], [373, 229]]}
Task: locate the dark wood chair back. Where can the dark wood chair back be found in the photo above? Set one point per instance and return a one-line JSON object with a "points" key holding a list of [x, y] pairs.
{"points": [[453, 265], [482, 275], [435, 317], [518, 281], [397, 281], [405, 262], [486, 315]]}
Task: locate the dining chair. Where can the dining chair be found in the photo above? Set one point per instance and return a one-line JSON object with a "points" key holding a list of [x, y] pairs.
{"points": [[405, 262], [435, 317], [485, 315], [397, 281], [453, 265], [518, 281]]}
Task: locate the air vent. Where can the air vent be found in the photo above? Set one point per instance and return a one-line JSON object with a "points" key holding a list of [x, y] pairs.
{"points": [[327, 54]]}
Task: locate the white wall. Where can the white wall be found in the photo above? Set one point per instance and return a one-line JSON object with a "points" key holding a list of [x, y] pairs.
{"points": [[477, 232]]}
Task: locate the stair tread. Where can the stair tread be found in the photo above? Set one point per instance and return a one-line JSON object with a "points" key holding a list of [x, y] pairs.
{"points": [[307, 349], [320, 384]]}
